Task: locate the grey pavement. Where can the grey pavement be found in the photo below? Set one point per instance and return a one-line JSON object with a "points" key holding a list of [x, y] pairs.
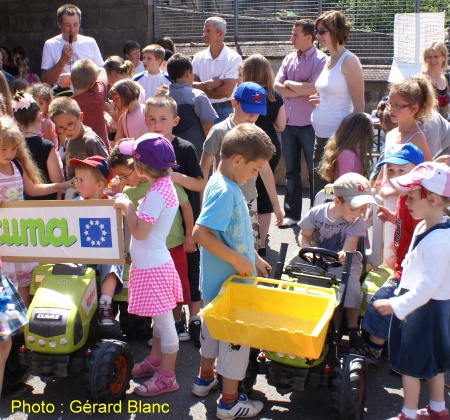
{"points": [[67, 399]]}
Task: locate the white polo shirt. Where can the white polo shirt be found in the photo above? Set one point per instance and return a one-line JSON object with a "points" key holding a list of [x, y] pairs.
{"points": [[225, 66]]}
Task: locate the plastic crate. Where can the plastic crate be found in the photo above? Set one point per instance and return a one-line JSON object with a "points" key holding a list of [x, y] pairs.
{"points": [[273, 315]]}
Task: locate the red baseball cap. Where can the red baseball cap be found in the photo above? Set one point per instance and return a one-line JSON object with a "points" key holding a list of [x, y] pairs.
{"points": [[96, 162]]}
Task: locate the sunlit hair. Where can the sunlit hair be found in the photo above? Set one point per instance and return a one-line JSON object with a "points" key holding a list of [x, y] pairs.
{"points": [[95, 172], [155, 173], [4, 90], [354, 130], [249, 141], [220, 24], [41, 90], [162, 101], [178, 65], [439, 48], [127, 90], [257, 68], [116, 158], [118, 65], [18, 85], [156, 50], [64, 105], [338, 25], [416, 90], [68, 9], [10, 136], [84, 73], [307, 26]]}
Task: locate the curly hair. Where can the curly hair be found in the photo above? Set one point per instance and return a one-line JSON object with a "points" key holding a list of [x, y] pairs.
{"points": [[355, 131]]}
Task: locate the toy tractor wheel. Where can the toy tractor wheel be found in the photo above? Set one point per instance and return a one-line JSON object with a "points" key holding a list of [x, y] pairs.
{"points": [[131, 325], [349, 388], [246, 385], [108, 371], [14, 372]]}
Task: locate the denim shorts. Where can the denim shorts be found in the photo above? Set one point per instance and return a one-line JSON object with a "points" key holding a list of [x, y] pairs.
{"points": [[105, 269], [419, 346], [373, 322]]}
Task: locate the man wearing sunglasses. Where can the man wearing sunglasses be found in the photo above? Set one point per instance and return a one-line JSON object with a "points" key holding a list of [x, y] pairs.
{"points": [[295, 82]]}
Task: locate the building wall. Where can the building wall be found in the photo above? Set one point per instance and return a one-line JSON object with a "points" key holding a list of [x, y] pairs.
{"points": [[29, 23]]}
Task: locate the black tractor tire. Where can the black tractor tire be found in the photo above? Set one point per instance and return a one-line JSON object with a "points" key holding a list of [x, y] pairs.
{"points": [[15, 374], [349, 388], [133, 326], [251, 374], [108, 371]]}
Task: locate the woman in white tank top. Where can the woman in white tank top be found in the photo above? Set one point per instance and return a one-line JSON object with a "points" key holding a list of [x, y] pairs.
{"points": [[340, 86]]}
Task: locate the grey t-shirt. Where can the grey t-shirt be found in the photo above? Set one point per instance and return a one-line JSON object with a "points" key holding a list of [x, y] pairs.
{"points": [[330, 234]]}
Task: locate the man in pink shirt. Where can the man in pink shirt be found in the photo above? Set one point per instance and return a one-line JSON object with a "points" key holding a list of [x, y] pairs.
{"points": [[295, 82]]}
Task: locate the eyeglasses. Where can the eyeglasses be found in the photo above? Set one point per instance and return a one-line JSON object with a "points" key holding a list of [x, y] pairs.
{"points": [[69, 127], [395, 107], [124, 178], [320, 31]]}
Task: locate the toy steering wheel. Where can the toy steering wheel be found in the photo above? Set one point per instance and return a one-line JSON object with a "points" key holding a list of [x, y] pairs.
{"points": [[321, 257]]}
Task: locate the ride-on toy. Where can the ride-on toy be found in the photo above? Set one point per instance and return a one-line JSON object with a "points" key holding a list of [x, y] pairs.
{"points": [[292, 326], [61, 315]]}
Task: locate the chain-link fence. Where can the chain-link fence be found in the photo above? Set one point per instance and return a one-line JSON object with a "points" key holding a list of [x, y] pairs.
{"points": [[371, 37]]}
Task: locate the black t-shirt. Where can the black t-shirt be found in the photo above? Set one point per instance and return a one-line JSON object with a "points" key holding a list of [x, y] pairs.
{"points": [[40, 150], [189, 166], [265, 122]]}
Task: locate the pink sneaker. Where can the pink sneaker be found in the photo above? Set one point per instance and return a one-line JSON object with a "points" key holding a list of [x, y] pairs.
{"points": [[158, 384], [428, 414], [143, 369]]}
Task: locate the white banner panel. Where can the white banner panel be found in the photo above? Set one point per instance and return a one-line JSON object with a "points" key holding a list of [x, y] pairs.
{"points": [[84, 231]]}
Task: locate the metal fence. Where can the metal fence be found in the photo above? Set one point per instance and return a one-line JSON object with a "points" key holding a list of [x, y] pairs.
{"points": [[371, 37]]}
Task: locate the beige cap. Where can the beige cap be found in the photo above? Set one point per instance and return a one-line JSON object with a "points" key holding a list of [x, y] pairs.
{"points": [[354, 189]]}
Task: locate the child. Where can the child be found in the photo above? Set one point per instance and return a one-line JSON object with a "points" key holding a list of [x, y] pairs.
{"points": [[152, 78], [249, 102], [419, 335], [90, 87], [8, 289], [337, 226], [161, 117], [154, 286], [132, 52], [28, 116], [178, 242], [41, 92], [81, 142], [125, 94], [401, 159], [349, 149], [23, 66], [19, 175], [224, 233], [92, 177], [194, 109]]}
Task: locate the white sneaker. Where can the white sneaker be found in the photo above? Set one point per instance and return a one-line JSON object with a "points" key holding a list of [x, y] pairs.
{"points": [[288, 222], [242, 408], [201, 387]]}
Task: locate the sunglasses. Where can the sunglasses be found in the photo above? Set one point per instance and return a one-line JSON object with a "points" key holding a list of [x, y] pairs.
{"points": [[320, 31]]}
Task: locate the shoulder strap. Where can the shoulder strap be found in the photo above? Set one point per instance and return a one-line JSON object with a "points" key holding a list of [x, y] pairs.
{"points": [[19, 166], [447, 76], [418, 238]]}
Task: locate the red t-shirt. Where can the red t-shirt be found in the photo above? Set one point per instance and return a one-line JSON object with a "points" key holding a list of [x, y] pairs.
{"points": [[92, 104], [403, 234]]}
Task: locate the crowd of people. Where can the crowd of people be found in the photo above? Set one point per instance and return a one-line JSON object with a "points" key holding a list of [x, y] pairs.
{"points": [[191, 147]]}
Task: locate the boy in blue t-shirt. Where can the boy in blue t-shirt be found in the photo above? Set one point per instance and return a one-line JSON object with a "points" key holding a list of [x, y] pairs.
{"points": [[224, 232]]}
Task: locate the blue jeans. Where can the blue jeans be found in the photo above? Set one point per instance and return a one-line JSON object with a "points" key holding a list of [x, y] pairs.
{"points": [[223, 113], [294, 139]]}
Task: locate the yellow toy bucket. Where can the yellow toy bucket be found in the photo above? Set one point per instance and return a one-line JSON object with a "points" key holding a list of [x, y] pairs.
{"points": [[273, 315]]}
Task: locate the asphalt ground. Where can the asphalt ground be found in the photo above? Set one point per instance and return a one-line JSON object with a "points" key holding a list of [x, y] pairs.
{"points": [[67, 399]]}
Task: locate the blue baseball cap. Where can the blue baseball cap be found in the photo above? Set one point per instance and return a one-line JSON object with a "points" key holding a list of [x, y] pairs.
{"points": [[402, 154], [252, 98]]}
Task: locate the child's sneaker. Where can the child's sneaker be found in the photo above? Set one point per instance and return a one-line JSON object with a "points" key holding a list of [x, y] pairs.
{"points": [[242, 408], [183, 335], [428, 414], [195, 327], [105, 315], [201, 387], [158, 384]]}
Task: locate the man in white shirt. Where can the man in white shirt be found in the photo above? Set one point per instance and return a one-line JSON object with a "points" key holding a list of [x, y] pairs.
{"points": [[61, 51], [216, 68]]}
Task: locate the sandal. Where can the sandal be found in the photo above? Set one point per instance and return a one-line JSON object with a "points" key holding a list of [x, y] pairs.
{"points": [[158, 384], [143, 369]]}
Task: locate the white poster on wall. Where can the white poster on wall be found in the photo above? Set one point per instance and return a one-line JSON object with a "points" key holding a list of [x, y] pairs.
{"points": [[412, 33], [84, 231]]}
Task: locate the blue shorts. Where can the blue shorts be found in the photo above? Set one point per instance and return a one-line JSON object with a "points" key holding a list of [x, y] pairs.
{"points": [[8, 289], [373, 322]]}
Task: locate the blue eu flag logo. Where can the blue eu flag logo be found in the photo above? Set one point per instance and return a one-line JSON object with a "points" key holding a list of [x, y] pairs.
{"points": [[95, 232]]}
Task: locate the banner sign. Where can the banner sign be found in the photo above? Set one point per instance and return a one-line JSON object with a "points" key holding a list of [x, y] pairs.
{"points": [[78, 231]]}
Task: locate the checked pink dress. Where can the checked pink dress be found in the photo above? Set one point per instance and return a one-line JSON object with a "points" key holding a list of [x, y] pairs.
{"points": [[155, 287]]}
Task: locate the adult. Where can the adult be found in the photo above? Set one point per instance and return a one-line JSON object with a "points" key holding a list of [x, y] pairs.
{"points": [[8, 76], [216, 68], [340, 86], [435, 58], [257, 68], [59, 53], [295, 82]]}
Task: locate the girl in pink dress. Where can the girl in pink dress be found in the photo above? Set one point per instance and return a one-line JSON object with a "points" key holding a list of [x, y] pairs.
{"points": [[155, 286]]}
